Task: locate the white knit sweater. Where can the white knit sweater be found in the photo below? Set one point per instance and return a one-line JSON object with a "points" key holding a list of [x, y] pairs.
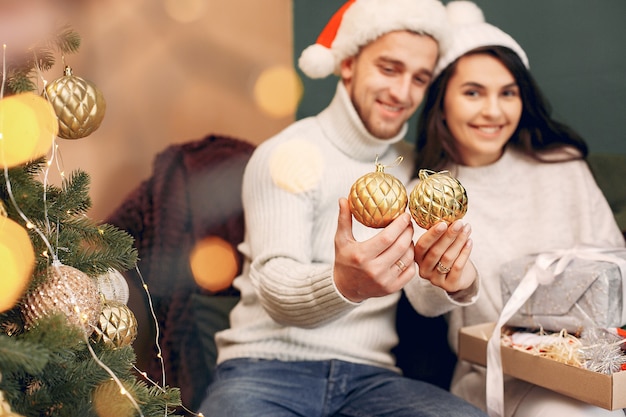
{"points": [[290, 308], [519, 206]]}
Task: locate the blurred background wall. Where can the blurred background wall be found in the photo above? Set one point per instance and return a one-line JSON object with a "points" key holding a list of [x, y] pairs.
{"points": [[173, 71]]}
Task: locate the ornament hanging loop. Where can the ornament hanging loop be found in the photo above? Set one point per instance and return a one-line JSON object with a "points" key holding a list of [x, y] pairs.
{"points": [[381, 168], [425, 173]]}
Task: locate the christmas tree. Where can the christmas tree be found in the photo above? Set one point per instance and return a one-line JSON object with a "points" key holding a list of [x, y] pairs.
{"points": [[65, 331]]}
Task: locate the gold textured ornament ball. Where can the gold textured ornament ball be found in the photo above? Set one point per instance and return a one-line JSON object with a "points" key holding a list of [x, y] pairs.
{"points": [[78, 104], [377, 198], [117, 325], [68, 291], [438, 196]]}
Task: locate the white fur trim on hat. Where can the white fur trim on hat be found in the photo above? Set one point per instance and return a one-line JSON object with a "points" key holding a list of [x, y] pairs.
{"points": [[363, 21], [469, 31], [317, 61]]}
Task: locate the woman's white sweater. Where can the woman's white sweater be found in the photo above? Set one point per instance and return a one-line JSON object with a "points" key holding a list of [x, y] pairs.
{"points": [[519, 206]]}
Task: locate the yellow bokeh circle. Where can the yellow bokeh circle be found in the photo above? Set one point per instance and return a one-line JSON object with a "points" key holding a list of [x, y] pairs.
{"points": [[28, 126], [110, 401], [47, 118], [213, 263], [277, 91], [296, 165], [17, 259]]}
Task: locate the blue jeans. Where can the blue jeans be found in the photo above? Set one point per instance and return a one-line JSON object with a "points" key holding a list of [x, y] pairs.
{"points": [[255, 387]]}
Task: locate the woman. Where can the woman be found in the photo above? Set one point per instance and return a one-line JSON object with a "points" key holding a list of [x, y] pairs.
{"points": [[529, 187]]}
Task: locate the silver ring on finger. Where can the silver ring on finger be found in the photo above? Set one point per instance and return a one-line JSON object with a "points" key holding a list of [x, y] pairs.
{"points": [[442, 269]]}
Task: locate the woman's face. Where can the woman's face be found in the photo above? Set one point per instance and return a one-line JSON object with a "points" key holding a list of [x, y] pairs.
{"points": [[482, 108]]}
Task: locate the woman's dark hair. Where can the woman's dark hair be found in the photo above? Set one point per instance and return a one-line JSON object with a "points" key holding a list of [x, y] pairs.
{"points": [[536, 133]]}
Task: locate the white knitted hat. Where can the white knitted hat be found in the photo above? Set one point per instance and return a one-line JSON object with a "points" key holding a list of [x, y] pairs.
{"points": [[469, 30], [359, 22]]}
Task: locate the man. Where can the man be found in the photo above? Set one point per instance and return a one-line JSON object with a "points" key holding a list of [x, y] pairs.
{"points": [[313, 332]]}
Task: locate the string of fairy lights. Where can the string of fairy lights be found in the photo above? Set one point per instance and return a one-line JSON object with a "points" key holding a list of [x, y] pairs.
{"points": [[51, 151]]}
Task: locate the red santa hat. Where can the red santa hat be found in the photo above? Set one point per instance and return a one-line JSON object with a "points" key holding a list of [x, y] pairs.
{"points": [[359, 22]]}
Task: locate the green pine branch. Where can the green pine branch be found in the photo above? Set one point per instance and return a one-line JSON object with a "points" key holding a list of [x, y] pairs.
{"points": [[22, 355], [59, 214], [66, 40], [24, 67], [49, 369]]}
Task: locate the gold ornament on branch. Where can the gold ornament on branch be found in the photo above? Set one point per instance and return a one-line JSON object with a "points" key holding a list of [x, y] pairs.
{"points": [[117, 325], [438, 196], [78, 104], [66, 290], [377, 198]]}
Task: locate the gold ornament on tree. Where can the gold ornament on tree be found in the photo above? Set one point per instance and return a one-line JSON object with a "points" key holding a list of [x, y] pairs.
{"points": [[68, 291], [117, 325], [78, 104], [438, 196], [377, 198]]}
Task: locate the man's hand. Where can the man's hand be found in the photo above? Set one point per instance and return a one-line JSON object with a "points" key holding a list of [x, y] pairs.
{"points": [[442, 254], [376, 267]]}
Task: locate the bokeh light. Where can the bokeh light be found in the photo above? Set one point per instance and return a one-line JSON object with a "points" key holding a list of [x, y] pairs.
{"points": [[213, 263], [278, 91], [17, 259], [47, 118], [28, 126], [296, 166], [109, 401], [185, 11]]}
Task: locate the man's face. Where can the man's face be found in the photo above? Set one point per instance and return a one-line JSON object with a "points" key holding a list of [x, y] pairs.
{"points": [[387, 79]]}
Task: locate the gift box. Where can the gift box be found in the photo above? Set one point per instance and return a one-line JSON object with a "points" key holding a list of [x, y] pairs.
{"points": [[606, 391], [587, 291]]}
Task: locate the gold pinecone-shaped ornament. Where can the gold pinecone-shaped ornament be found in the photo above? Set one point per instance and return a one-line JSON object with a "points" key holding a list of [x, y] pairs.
{"points": [[117, 325], [377, 198], [438, 196], [78, 104]]}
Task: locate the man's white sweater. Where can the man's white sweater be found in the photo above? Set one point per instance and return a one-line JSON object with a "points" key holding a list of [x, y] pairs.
{"points": [[290, 309]]}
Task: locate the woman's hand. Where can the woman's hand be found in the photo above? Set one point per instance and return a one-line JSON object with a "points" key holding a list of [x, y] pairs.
{"points": [[442, 254]]}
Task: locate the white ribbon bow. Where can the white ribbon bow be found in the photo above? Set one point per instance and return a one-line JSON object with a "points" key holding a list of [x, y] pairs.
{"points": [[537, 275]]}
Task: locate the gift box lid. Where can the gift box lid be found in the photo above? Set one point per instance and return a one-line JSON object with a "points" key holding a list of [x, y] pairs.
{"points": [[558, 297]]}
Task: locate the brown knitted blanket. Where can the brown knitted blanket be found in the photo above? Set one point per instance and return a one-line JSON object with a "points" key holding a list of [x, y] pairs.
{"points": [[194, 191]]}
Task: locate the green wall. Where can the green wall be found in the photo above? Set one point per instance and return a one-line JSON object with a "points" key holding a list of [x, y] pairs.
{"points": [[577, 52]]}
